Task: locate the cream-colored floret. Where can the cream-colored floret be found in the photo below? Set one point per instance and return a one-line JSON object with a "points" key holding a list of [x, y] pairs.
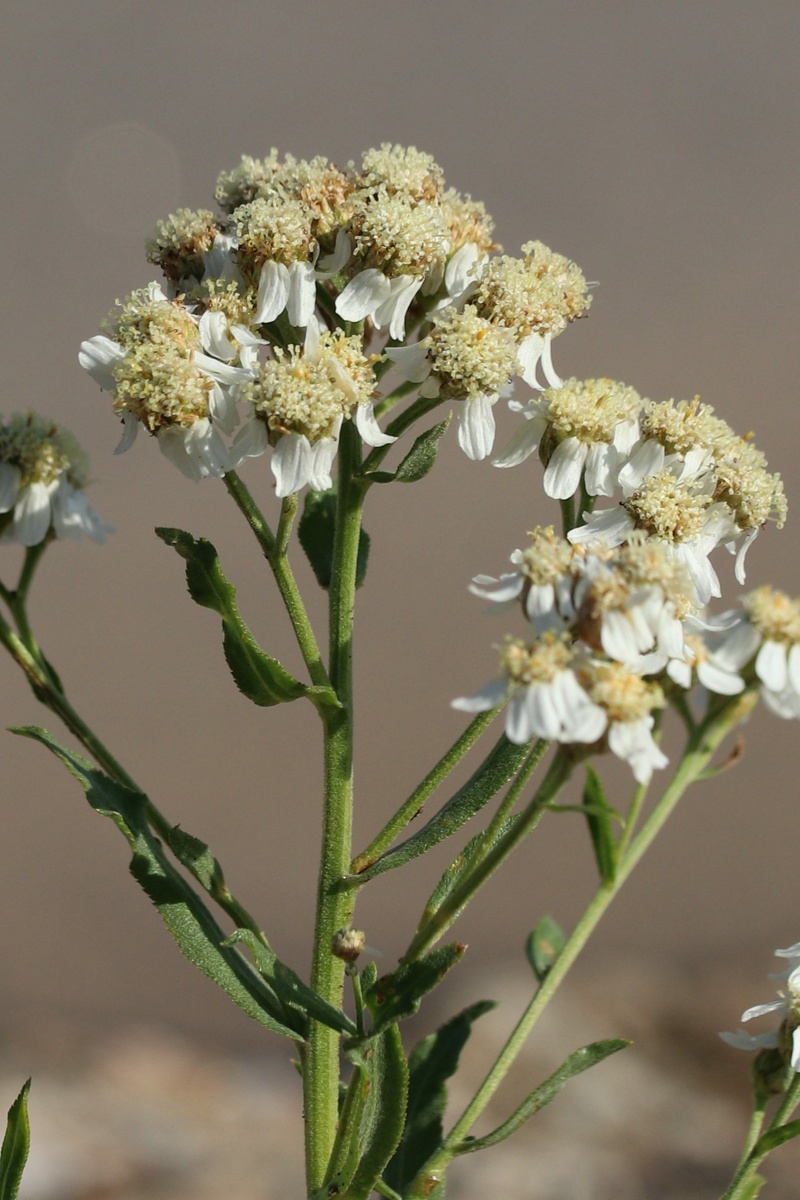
{"points": [[402, 169], [590, 409], [142, 319], [470, 355], [247, 181], [42, 451], [540, 292], [646, 562], [775, 615], [221, 295], [621, 692], [274, 228], [681, 427], [398, 235], [547, 559], [538, 662], [467, 221], [742, 481], [160, 385], [668, 509], [321, 187], [296, 394], [181, 241]]}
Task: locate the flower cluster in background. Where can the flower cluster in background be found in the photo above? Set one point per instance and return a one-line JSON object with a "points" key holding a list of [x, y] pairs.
{"points": [[786, 1039], [278, 316], [43, 472]]}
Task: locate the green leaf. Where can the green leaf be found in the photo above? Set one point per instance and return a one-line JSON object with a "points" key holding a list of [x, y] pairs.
{"points": [[316, 530], [259, 677], [499, 766], [196, 856], [288, 985], [16, 1145], [433, 1061], [455, 871], [598, 817], [383, 1114], [181, 909], [422, 455], [544, 944], [579, 1061], [776, 1137], [398, 995]]}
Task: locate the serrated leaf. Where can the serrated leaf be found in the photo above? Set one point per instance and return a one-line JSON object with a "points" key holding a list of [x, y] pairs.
{"points": [[545, 943], [316, 531], [432, 1062], [775, 1137], [578, 1062], [398, 995], [287, 984], [384, 1111], [186, 917], [196, 856], [16, 1145], [422, 455], [259, 677], [499, 766], [599, 814]]}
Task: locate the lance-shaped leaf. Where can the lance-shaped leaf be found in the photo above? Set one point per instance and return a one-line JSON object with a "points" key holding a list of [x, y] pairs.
{"points": [[16, 1145], [398, 995], [432, 1062], [181, 909], [460, 866], [316, 530], [383, 1114], [288, 985], [599, 814], [579, 1061], [419, 460], [544, 944], [259, 677], [499, 766]]}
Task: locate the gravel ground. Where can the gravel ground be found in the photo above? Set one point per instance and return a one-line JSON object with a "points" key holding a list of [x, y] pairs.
{"points": [[142, 1113]]}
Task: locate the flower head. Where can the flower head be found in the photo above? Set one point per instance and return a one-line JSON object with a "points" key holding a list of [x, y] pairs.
{"points": [[43, 472]]}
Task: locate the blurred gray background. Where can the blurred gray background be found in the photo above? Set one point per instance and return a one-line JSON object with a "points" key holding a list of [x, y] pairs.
{"points": [[656, 144]]}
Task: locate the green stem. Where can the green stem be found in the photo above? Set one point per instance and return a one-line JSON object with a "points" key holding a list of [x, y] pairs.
{"points": [[412, 807], [567, 514], [631, 819], [433, 926], [739, 1188], [388, 402], [334, 903], [274, 550], [699, 752], [399, 425]]}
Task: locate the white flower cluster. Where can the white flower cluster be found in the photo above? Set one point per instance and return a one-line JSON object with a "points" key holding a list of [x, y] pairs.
{"points": [[43, 472], [275, 314], [787, 1038]]}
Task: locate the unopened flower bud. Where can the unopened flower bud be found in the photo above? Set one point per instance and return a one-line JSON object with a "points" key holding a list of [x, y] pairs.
{"points": [[347, 943]]}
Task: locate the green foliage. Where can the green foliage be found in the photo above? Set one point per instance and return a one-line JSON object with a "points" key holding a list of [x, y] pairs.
{"points": [[419, 460], [398, 995], [259, 677], [16, 1145], [544, 944], [460, 866], [288, 985], [372, 1118], [500, 765], [777, 1136], [599, 814], [432, 1062], [316, 530], [181, 909], [581, 1060]]}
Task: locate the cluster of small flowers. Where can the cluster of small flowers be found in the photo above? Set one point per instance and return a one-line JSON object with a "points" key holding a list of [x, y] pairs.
{"points": [[618, 606], [787, 1038], [275, 313], [43, 472]]}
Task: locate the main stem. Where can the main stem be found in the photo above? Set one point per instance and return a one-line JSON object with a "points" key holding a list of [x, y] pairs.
{"points": [[334, 902]]}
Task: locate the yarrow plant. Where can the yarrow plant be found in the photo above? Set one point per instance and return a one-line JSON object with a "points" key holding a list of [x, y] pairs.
{"points": [[317, 317]]}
